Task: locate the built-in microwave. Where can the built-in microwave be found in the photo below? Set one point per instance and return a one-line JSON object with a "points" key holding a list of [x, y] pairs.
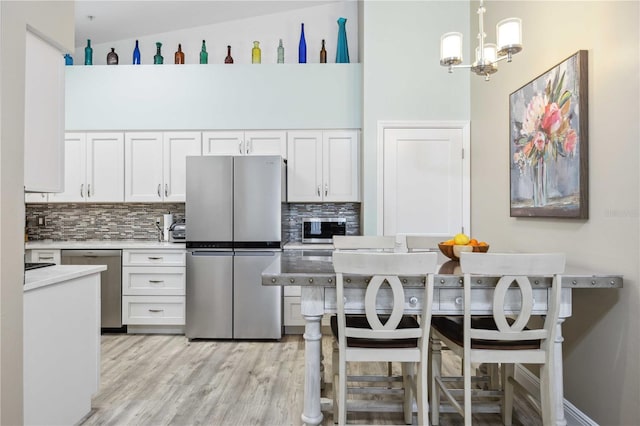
{"points": [[322, 230]]}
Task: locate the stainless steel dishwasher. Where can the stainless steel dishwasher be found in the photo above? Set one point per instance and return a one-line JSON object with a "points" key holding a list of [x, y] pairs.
{"points": [[111, 281]]}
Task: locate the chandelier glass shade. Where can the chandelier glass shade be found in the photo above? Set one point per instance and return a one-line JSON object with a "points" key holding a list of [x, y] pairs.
{"points": [[487, 55]]}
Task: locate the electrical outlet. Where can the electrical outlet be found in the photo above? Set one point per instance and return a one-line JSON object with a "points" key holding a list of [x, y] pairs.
{"points": [[42, 221]]}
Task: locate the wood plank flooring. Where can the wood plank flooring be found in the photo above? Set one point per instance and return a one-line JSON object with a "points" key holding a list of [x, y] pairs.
{"points": [[167, 380]]}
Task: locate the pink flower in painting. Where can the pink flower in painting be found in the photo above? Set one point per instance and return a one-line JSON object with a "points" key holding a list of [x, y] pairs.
{"points": [[552, 118], [539, 141], [534, 113], [570, 142]]}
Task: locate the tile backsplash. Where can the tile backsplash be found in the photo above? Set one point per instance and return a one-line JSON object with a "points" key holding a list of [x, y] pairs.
{"points": [[136, 221]]}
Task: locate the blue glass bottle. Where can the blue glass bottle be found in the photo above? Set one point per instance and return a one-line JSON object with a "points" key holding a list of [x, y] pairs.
{"points": [[88, 54], [136, 54], [302, 47], [68, 60], [342, 51]]}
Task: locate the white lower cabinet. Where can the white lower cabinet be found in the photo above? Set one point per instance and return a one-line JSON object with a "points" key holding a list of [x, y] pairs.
{"points": [[293, 320], [42, 256], [153, 287]]}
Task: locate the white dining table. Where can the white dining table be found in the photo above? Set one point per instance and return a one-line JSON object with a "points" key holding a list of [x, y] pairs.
{"points": [[317, 279]]}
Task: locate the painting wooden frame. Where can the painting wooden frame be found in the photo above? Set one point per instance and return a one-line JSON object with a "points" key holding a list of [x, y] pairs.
{"points": [[548, 143]]}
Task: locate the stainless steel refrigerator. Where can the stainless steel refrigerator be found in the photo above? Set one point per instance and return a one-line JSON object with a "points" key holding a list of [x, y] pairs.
{"points": [[233, 207]]}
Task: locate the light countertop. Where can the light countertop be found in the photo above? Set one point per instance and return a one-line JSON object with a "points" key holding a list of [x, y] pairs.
{"points": [[41, 277], [103, 244], [297, 245]]}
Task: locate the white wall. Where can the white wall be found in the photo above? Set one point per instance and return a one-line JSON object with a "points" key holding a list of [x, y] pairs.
{"points": [[319, 23], [55, 21], [602, 341], [402, 76]]}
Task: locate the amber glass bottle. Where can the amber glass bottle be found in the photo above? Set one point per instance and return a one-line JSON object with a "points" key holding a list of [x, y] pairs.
{"points": [[179, 56], [228, 59], [323, 54]]}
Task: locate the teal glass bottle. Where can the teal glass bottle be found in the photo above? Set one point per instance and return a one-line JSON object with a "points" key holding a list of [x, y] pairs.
{"points": [[204, 56], [342, 51], [136, 54], [68, 60], [158, 59], [280, 52], [88, 54], [302, 47]]}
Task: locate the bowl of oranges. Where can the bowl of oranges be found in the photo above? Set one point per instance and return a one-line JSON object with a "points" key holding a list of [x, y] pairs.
{"points": [[462, 243]]}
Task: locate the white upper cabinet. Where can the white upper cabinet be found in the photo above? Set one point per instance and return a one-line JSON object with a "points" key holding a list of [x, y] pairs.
{"points": [[44, 109], [94, 168], [155, 165], [255, 142], [323, 166]]}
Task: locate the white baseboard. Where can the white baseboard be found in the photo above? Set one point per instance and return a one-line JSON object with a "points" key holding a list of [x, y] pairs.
{"points": [[572, 414]]}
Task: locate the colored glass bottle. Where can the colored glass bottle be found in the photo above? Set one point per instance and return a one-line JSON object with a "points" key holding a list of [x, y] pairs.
{"points": [[323, 54], [158, 59], [88, 54], [136, 54], [280, 52], [204, 56], [256, 54], [342, 51], [228, 59], [112, 57], [178, 58], [68, 60], [302, 47]]}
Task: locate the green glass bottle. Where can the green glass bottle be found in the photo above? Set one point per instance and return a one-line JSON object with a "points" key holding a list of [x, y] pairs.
{"points": [[88, 54], [204, 56], [256, 53], [158, 59]]}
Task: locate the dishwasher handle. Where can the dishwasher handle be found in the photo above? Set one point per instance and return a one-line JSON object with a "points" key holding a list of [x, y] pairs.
{"points": [[90, 253]]}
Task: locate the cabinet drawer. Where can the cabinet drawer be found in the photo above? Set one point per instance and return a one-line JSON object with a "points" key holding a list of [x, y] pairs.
{"points": [[151, 280], [153, 257], [43, 255], [292, 315], [355, 299], [291, 290], [158, 310]]}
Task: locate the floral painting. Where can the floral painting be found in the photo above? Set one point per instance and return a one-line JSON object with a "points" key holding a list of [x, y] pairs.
{"points": [[548, 143]]}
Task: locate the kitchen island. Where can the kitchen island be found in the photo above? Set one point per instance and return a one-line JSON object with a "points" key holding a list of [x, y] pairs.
{"points": [[61, 343], [313, 271]]}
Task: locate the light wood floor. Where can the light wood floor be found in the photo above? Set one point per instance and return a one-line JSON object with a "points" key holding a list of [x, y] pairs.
{"points": [[167, 380]]}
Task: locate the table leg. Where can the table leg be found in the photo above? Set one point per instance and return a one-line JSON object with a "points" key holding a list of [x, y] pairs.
{"points": [[312, 351], [557, 374]]}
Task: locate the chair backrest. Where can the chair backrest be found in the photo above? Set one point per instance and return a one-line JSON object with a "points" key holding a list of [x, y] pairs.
{"points": [[421, 242], [363, 242], [384, 267], [514, 268]]}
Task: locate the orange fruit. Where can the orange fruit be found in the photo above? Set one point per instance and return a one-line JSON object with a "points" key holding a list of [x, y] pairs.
{"points": [[473, 242], [482, 243]]}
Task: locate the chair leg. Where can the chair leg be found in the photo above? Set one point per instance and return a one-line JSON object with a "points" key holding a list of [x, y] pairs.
{"points": [[408, 377], [507, 386], [435, 356], [335, 362], [422, 395], [547, 400], [466, 371], [342, 392]]}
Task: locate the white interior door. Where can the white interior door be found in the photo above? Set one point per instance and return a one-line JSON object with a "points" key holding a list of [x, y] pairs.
{"points": [[425, 180]]}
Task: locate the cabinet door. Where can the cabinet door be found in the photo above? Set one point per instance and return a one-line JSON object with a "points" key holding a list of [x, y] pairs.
{"points": [[177, 146], [105, 167], [35, 197], [341, 174], [223, 143], [143, 167], [268, 142], [304, 167], [75, 170]]}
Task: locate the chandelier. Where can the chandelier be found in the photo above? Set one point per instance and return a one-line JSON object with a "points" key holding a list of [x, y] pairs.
{"points": [[509, 38]]}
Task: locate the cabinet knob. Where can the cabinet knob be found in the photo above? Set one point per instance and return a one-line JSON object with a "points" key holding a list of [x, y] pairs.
{"points": [[413, 301], [89, 190], [159, 194], [166, 190], [326, 189], [82, 190], [318, 190], [240, 147]]}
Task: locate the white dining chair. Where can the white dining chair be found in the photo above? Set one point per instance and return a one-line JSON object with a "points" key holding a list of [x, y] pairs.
{"points": [[502, 337], [401, 338]]}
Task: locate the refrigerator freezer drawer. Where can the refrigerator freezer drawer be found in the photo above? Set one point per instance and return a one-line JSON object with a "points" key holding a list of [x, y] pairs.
{"points": [[209, 295], [257, 308]]}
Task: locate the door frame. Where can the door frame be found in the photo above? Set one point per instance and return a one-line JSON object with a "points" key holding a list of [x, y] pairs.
{"points": [[463, 125]]}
